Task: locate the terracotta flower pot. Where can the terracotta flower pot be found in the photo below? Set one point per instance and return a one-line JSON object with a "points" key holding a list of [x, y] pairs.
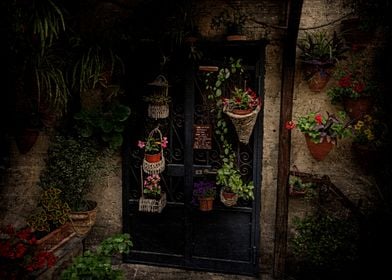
{"points": [[153, 158], [318, 81], [242, 111], [318, 150], [365, 156], [206, 203]]}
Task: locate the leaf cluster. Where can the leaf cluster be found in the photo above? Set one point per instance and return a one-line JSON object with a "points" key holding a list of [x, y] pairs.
{"points": [[228, 175], [320, 128], [72, 164], [104, 123], [98, 264], [325, 241], [321, 48], [51, 212]]}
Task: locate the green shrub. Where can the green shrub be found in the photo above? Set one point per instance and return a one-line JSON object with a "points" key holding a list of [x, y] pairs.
{"points": [[98, 265]]}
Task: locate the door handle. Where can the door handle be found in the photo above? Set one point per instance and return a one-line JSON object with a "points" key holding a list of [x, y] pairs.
{"points": [[207, 171]]}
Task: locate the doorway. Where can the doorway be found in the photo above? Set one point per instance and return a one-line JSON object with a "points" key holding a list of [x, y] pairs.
{"points": [[225, 239]]}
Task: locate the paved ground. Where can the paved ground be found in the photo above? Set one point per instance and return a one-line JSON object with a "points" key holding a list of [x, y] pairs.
{"points": [[144, 272]]}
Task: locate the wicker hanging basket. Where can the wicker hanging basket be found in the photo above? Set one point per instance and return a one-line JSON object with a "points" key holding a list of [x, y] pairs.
{"points": [[228, 201], [243, 124], [159, 109], [155, 167], [150, 205]]}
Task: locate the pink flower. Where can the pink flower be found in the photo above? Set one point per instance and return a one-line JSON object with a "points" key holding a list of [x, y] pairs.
{"points": [[141, 144], [164, 142]]}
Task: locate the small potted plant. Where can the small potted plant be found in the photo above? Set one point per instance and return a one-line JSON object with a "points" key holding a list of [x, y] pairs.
{"points": [[297, 187], [320, 132], [242, 107], [368, 136], [106, 124], [354, 87], [19, 257], [233, 21], [319, 53], [232, 185], [151, 187], [152, 199], [73, 165], [152, 147], [242, 101], [158, 99], [205, 192]]}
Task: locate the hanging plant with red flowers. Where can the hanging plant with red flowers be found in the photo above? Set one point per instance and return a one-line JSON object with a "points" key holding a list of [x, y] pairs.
{"points": [[19, 257], [352, 80]]}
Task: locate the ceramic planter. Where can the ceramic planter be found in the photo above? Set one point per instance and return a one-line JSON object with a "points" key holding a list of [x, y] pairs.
{"points": [[318, 150]]}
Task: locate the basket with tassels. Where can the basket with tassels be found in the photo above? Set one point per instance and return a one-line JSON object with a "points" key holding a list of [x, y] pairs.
{"points": [[154, 163], [158, 102], [151, 205]]}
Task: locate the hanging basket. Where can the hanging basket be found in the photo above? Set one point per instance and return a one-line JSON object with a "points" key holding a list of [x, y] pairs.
{"points": [[160, 108], [228, 199], [151, 205], [158, 111], [158, 166], [243, 123]]}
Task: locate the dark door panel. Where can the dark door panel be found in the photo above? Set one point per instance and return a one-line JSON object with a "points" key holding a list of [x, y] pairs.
{"points": [[225, 239]]}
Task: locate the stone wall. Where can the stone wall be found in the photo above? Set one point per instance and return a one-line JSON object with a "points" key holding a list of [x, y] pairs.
{"points": [[18, 194]]}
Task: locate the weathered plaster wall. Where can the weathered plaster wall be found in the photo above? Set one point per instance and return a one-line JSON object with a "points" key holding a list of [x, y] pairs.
{"points": [[24, 170]]}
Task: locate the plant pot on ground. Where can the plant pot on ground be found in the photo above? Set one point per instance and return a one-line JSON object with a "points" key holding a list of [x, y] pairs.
{"points": [[50, 220], [73, 166]]}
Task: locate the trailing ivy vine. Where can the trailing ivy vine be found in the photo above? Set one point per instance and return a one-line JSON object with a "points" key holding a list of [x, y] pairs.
{"points": [[217, 84]]}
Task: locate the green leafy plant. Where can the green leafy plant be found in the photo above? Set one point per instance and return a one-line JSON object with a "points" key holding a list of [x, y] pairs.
{"points": [[320, 128], [233, 19], [298, 186], [151, 186], [51, 212], [72, 165], [152, 144], [105, 123], [325, 242], [157, 99], [98, 264], [230, 179], [96, 66], [242, 99], [321, 48], [228, 175]]}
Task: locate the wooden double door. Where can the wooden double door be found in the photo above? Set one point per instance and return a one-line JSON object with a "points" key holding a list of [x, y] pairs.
{"points": [[225, 239]]}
